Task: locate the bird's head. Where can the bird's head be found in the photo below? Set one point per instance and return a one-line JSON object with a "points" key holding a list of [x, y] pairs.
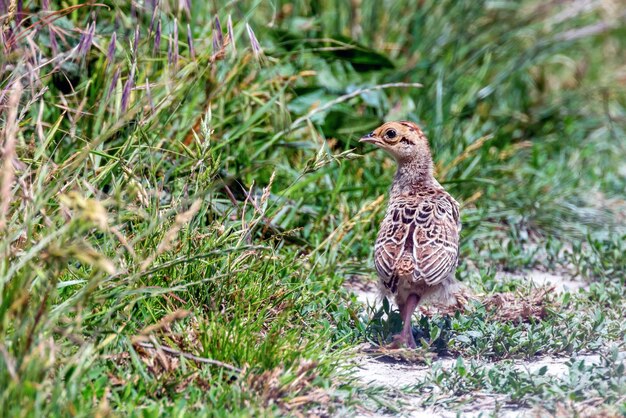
{"points": [[402, 140]]}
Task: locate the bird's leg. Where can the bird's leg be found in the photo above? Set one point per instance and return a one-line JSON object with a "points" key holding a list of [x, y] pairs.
{"points": [[406, 311], [402, 307]]}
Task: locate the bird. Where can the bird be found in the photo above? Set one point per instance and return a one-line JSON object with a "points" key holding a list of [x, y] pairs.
{"points": [[417, 248]]}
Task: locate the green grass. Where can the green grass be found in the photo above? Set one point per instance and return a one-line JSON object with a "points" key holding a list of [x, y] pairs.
{"points": [[215, 202]]}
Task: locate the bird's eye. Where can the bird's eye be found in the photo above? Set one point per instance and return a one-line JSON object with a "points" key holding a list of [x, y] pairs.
{"points": [[390, 134]]}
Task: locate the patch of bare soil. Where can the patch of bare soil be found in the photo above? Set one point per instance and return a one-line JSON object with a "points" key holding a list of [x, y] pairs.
{"points": [[395, 376], [393, 368], [560, 283], [365, 291]]}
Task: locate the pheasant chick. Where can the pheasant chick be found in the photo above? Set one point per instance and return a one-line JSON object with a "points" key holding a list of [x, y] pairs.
{"points": [[417, 248]]}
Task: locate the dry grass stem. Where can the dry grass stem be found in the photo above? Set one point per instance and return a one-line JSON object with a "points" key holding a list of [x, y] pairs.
{"points": [[152, 348], [8, 157]]}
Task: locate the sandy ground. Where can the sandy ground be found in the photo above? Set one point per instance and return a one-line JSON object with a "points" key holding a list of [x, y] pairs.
{"points": [[561, 284], [382, 371], [398, 376]]}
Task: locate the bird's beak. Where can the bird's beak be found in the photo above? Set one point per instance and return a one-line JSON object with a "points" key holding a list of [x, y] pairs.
{"points": [[369, 138]]}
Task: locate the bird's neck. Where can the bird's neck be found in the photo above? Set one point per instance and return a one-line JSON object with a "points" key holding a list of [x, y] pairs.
{"points": [[412, 174]]}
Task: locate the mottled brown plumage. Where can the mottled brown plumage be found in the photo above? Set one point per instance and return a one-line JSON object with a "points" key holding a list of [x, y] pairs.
{"points": [[417, 248]]}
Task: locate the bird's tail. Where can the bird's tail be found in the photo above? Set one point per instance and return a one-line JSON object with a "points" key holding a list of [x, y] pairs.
{"points": [[449, 293]]}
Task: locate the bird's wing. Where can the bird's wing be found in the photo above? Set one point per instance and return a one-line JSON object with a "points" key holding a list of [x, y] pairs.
{"points": [[389, 247], [435, 237], [393, 244], [419, 237]]}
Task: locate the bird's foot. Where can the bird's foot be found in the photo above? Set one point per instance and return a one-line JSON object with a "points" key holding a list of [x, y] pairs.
{"points": [[403, 340]]}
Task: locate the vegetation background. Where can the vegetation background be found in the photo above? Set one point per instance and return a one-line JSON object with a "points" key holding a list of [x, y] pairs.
{"points": [[183, 199]]}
